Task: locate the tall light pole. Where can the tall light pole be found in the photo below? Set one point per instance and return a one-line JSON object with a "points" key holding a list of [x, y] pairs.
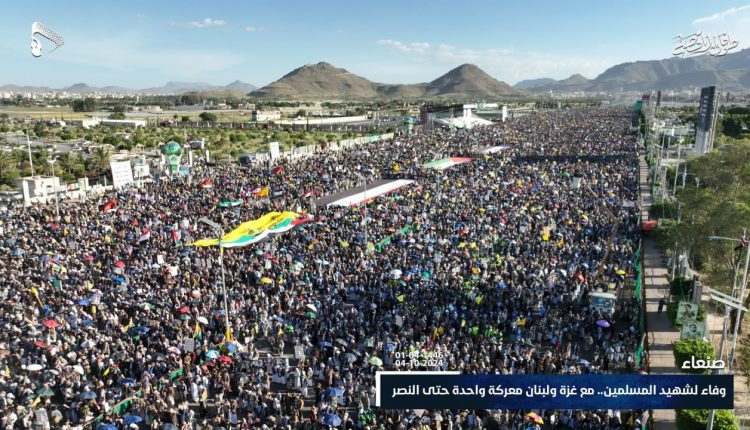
{"points": [[735, 302], [51, 162], [220, 231], [28, 147], [364, 181]]}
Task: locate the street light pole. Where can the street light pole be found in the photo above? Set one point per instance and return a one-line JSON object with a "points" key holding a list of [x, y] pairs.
{"points": [[741, 297], [51, 162], [364, 181], [219, 230], [28, 147], [729, 302], [738, 300]]}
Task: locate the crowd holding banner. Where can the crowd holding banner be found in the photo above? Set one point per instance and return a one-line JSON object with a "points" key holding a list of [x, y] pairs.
{"points": [[113, 315]]}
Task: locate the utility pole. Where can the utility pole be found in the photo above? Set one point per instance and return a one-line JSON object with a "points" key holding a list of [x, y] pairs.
{"points": [[677, 170], [734, 302], [51, 162], [28, 146], [741, 297]]}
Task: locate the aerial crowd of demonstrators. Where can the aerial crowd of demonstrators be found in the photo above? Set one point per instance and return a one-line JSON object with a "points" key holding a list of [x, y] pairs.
{"points": [[110, 319]]}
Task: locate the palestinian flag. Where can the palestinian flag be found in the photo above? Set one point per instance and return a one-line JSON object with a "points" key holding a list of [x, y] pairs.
{"points": [[57, 267], [229, 204], [146, 235], [445, 163], [257, 230], [176, 236], [358, 195]]}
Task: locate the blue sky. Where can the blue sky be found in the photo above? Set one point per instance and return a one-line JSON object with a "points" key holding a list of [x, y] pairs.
{"points": [[140, 44]]}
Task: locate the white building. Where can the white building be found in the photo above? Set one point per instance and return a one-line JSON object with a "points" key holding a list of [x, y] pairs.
{"points": [[266, 115], [123, 122], [38, 186]]}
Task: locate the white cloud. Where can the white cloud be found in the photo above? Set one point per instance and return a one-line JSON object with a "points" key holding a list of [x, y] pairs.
{"points": [[735, 22], [250, 29], [719, 16], [205, 22], [417, 47], [505, 64], [511, 66]]}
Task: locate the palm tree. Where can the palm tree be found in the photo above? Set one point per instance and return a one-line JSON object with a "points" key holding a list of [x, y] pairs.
{"points": [[100, 158], [65, 162]]}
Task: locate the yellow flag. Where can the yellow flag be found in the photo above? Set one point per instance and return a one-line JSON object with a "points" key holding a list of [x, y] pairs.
{"points": [[127, 327], [36, 296], [400, 298], [204, 395], [263, 192], [522, 322], [106, 372], [93, 309], [395, 167], [228, 334], [479, 299], [7, 372], [36, 402]]}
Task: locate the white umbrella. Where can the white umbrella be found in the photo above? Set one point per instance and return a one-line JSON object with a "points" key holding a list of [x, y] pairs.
{"points": [[202, 320], [78, 369], [34, 367], [88, 343], [395, 274], [311, 307]]}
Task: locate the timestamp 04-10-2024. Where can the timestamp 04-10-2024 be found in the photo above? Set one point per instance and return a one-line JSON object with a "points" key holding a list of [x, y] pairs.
{"points": [[419, 358]]}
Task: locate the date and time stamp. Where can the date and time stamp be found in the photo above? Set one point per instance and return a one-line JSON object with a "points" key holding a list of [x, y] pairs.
{"points": [[419, 358]]}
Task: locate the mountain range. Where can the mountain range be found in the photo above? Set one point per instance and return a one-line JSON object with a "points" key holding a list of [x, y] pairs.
{"points": [[323, 81], [730, 73], [169, 88], [327, 82]]}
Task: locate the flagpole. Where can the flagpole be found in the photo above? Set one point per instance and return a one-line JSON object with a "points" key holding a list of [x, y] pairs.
{"points": [[219, 230]]}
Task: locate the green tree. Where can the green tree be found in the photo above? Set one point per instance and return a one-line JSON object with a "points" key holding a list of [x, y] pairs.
{"points": [[8, 171], [100, 159], [732, 124], [696, 419], [117, 115], [86, 105], [112, 139], [208, 117], [185, 118], [685, 350]]}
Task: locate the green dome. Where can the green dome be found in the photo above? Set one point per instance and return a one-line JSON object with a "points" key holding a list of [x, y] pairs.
{"points": [[172, 148]]}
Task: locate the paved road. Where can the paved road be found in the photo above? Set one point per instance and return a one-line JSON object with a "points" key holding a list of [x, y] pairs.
{"points": [[660, 331]]}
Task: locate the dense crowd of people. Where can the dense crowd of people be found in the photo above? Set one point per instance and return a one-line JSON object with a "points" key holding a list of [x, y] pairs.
{"points": [[493, 275]]}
